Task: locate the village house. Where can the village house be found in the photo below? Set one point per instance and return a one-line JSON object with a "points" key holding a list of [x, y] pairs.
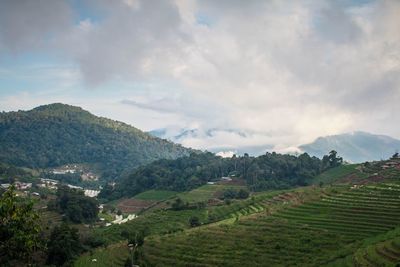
{"points": [[23, 186]]}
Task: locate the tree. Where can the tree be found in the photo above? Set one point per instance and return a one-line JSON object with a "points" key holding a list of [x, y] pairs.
{"points": [[135, 241], [242, 194], [75, 205], [19, 228], [64, 245], [194, 221], [179, 204], [334, 161], [395, 155]]}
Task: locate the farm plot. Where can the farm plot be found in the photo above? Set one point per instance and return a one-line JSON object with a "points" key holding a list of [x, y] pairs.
{"points": [[134, 205], [155, 195], [206, 192], [312, 234], [114, 255]]}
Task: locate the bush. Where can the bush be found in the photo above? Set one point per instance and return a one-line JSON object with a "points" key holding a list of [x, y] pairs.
{"points": [[194, 221]]}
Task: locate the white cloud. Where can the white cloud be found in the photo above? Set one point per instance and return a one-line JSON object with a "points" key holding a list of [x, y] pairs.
{"points": [[284, 72]]}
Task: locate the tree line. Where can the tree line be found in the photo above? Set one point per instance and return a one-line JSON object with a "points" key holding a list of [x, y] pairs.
{"points": [[268, 171]]}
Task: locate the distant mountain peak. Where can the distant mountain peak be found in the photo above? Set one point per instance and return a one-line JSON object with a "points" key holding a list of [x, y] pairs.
{"points": [[58, 106], [357, 146]]}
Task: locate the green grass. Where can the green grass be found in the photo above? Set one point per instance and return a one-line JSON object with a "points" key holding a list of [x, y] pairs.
{"points": [[157, 195], [160, 222], [154, 223], [205, 192], [327, 230], [114, 255], [335, 174]]}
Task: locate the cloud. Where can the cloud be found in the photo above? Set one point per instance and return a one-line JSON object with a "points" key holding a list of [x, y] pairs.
{"points": [[283, 72], [26, 25]]}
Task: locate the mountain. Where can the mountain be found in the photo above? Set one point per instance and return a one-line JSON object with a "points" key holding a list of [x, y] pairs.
{"points": [[57, 134], [354, 147], [244, 140]]}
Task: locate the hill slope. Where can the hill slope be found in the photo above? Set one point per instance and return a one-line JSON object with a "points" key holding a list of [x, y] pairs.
{"points": [[58, 134], [354, 147]]}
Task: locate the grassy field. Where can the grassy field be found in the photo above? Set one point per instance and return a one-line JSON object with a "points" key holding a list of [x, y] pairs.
{"points": [[338, 225], [316, 233], [205, 192], [336, 174], [113, 255], [156, 195], [155, 223]]}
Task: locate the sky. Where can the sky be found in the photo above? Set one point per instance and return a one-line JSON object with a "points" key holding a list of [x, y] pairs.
{"points": [[231, 74]]}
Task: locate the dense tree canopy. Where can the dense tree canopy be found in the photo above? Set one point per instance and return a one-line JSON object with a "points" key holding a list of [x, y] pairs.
{"points": [[19, 229], [64, 245], [269, 171], [58, 134], [75, 205]]}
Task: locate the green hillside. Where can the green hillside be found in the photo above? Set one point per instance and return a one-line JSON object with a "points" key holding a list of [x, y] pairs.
{"points": [[316, 233], [266, 172], [57, 134], [353, 222]]}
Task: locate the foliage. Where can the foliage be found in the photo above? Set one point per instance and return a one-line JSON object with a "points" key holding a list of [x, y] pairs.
{"points": [[64, 245], [19, 228], [194, 221], [269, 171], [238, 194], [75, 205], [8, 173], [331, 160], [136, 239], [179, 204], [66, 134], [206, 192], [313, 227]]}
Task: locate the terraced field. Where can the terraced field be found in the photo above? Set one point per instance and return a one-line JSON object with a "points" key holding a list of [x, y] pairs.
{"points": [[114, 255], [155, 195], [339, 173], [316, 233], [386, 253], [158, 222], [255, 204], [205, 192]]}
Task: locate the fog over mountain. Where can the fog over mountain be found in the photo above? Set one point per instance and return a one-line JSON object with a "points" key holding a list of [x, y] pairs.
{"points": [[354, 147], [285, 71]]}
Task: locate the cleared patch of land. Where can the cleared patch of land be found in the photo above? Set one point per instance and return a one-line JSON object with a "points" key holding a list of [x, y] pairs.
{"points": [[340, 173], [134, 205], [113, 255], [206, 192], [156, 195]]}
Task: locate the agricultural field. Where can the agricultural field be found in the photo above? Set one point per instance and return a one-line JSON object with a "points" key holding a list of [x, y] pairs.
{"points": [[134, 205], [314, 233], [350, 223], [113, 255], [384, 253], [155, 195], [206, 192], [339, 173], [153, 223]]}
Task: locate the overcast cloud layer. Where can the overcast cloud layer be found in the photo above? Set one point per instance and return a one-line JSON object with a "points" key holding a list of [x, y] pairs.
{"points": [[282, 72]]}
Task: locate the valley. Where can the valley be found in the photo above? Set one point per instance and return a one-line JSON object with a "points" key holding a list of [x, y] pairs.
{"points": [[351, 223], [196, 208]]}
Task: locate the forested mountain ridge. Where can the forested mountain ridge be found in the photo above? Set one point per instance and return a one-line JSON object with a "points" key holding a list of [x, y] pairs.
{"points": [[266, 172], [57, 134]]}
